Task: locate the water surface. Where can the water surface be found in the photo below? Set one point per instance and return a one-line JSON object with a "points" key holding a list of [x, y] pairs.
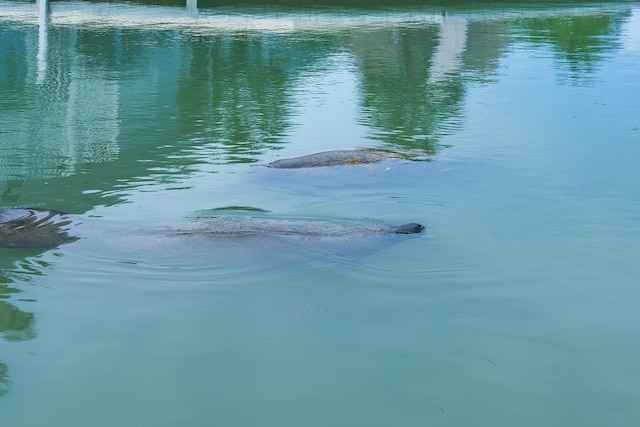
{"points": [[518, 306]]}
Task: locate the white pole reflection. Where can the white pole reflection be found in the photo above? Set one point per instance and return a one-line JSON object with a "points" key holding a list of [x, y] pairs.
{"points": [[43, 24], [192, 7], [448, 55]]}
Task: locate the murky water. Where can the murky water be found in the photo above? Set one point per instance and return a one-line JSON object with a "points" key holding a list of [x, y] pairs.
{"points": [[518, 306]]}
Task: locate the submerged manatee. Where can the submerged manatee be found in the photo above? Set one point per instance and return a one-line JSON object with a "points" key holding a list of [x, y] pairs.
{"points": [[38, 228], [308, 229], [338, 157]]}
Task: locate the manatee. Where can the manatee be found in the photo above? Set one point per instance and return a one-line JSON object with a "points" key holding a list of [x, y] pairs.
{"points": [[306, 229], [338, 157], [40, 228]]}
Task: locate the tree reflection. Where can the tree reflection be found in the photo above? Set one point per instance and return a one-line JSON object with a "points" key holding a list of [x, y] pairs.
{"points": [[235, 91], [15, 325], [486, 42], [580, 42], [4, 379], [16, 267], [226, 96], [402, 105]]}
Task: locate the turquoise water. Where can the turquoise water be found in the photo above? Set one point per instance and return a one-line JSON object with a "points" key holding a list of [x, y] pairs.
{"points": [[518, 306]]}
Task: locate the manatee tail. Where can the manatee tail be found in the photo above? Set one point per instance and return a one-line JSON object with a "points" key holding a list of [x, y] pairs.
{"points": [[34, 228]]}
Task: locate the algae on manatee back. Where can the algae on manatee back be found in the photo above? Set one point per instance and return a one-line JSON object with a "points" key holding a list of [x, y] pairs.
{"points": [[355, 156]]}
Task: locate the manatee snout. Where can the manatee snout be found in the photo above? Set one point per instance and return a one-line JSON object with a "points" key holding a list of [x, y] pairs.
{"points": [[411, 228]]}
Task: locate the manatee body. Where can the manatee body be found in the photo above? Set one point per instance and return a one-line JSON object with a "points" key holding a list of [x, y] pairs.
{"points": [[298, 228], [38, 228], [336, 158]]}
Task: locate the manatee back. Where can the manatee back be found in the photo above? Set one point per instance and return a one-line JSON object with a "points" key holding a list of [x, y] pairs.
{"points": [[334, 158]]}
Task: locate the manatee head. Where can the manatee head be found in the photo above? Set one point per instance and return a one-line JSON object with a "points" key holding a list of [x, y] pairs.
{"points": [[411, 228]]}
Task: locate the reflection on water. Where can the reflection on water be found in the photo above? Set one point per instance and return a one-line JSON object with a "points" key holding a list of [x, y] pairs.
{"points": [[407, 105], [143, 114], [192, 7], [580, 43], [234, 93], [15, 324], [225, 94], [43, 38], [4, 380]]}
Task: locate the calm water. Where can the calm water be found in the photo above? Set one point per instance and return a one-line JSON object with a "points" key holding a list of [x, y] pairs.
{"points": [[518, 307]]}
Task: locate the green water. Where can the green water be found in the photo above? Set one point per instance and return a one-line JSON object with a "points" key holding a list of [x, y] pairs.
{"points": [[517, 307]]}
